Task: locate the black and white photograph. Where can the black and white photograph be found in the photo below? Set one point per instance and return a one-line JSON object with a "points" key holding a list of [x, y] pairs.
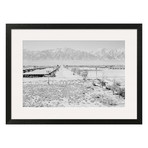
{"points": [[74, 73]]}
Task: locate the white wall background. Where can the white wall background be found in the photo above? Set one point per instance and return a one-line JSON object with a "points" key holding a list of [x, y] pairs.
{"points": [[76, 11]]}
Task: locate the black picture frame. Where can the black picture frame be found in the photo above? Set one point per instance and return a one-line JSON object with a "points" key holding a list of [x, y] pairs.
{"points": [[9, 28]]}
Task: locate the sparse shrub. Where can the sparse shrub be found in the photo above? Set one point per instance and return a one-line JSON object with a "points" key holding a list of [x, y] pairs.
{"points": [[78, 71], [103, 83], [108, 87], [121, 92], [52, 75], [117, 83], [116, 88], [84, 74], [74, 70], [108, 102]]}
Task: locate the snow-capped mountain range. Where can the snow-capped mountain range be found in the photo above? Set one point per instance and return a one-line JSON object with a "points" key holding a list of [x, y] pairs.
{"points": [[72, 54]]}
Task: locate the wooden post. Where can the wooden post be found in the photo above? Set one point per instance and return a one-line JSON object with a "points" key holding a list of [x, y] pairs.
{"points": [[96, 72], [48, 79], [48, 76]]}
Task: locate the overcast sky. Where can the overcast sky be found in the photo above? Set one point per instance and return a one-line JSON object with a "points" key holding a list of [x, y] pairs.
{"points": [[77, 45]]}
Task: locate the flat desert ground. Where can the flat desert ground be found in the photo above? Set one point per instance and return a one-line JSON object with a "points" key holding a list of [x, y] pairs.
{"points": [[70, 90]]}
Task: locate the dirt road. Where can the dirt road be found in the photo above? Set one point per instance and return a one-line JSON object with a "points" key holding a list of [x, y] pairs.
{"points": [[66, 74]]}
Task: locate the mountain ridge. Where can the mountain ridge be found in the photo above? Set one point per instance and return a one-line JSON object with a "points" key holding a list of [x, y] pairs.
{"points": [[72, 54]]}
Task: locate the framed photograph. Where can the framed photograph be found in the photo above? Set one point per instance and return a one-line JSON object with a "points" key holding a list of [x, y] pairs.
{"points": [[74, 74]]}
